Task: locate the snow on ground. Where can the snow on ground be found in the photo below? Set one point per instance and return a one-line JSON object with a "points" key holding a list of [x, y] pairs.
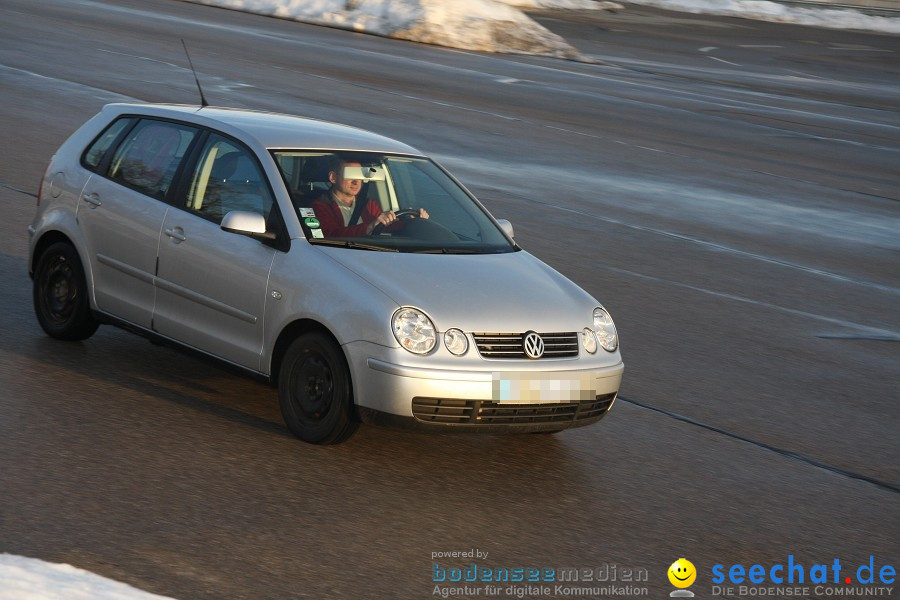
{"points": [[501, 26], [763, 10], [483, 25], [566, 4], [32, 579]]}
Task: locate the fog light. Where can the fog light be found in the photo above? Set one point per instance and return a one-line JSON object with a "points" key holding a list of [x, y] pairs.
{"points": [[456, 341], [589, 340]]}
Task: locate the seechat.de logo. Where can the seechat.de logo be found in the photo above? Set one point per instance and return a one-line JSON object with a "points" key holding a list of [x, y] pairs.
{"points": [[682, 574]]}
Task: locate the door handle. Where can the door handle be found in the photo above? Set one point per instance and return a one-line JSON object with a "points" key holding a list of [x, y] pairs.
{"points": [[93, 199], [176, 234]]}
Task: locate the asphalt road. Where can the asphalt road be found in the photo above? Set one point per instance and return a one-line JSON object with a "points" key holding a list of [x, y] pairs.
{"points": [[728, 189]]}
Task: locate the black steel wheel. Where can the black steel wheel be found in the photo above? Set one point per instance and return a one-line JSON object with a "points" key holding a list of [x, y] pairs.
{"points": [[60, 294], [314, 390]]}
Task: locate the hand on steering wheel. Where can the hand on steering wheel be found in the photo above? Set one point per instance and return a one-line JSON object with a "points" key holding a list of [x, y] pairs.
{"points": [[405, 213]]}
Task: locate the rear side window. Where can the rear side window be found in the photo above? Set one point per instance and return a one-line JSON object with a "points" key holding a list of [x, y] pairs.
{"points": [[148, 157], [96, 151], [227, 177]]}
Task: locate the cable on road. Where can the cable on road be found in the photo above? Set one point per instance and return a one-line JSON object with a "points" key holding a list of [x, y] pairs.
{"points": [[890, 487]]}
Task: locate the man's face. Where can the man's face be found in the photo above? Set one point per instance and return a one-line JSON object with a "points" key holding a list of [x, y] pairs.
{"points": [[349, 187]]}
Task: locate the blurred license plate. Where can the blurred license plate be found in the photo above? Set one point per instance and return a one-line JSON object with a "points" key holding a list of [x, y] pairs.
{"points": [[526, 387]]}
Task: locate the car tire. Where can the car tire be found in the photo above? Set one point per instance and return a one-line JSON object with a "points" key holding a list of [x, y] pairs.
{"points": [[314, 391], [60, 294]]}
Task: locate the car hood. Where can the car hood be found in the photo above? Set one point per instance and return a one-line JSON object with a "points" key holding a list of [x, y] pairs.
{"points": [[511, 292]]}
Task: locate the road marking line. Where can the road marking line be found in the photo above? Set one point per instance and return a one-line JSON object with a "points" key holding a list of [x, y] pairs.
{"points": [[722, 247], [883, 334], [860, 49], [868, 338], [724, 61], [785, 453], [116, 96], [15, 189], [162, 62]]}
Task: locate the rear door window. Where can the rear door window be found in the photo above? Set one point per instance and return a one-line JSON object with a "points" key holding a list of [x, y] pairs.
{"points": [[98, 149], [149, 156]]}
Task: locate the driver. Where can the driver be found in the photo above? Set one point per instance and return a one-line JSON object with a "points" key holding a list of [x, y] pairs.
{"points": [[337, 206]]}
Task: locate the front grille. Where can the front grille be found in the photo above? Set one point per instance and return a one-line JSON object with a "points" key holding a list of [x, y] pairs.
{"points": [[509, 345], [487, 412]]}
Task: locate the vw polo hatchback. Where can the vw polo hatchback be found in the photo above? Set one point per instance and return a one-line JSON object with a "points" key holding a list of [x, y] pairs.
{"points": [[347, 269]]}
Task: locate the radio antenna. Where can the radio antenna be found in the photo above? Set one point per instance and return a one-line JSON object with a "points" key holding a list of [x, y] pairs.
{"points": [[203, 102]]}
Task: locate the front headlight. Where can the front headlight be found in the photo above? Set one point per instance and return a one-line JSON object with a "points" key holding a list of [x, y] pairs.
{"points": [[414, 330], [605, 330]]}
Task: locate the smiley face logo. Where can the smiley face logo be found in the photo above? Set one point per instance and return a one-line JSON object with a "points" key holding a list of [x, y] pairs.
{"points": [[682, 573]]}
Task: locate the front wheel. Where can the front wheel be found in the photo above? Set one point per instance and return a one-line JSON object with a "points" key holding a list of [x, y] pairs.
{"points": [[60, 294], [314, 391]]}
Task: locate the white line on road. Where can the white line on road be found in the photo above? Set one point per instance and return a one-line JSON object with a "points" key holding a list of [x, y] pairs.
{"points": [[722, 247], [105, 95], [143, 58], [724, 61], [883, 334], [399, 94], [706, 97]]}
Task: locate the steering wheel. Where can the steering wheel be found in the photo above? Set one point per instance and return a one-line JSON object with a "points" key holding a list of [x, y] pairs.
{"points": [[406, 213]]}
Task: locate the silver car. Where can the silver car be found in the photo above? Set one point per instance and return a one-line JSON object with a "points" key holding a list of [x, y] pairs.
{"points": [[346, 268]]}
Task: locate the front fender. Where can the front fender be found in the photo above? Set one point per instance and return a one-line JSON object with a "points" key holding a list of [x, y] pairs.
{"points": [[306, 284]]}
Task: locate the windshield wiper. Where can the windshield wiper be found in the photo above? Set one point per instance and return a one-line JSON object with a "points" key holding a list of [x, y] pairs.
{"points": [[447, 251], [350, 244]]}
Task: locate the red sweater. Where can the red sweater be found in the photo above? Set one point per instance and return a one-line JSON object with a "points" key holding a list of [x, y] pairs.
{"points": [[332, 221]]}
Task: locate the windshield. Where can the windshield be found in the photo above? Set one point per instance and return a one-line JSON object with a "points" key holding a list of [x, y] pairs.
{"points": [[369, 201]]}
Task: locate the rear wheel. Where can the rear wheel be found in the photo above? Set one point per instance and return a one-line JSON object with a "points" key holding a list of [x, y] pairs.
{"points": [[314, 390], [60, 294]]}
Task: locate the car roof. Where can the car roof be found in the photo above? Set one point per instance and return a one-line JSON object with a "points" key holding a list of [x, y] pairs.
{"points": [[271, 130]]}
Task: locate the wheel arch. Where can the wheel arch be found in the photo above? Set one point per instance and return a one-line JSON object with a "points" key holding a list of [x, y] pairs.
{"points": [[47, 239], [292, 331]]}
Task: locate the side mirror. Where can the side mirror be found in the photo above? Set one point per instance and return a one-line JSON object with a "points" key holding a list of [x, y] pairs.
{"points": [[246, 223], [507, 227]]}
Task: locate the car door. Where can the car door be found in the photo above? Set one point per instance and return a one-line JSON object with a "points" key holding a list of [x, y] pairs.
{"points": [[212, 284], [121, 211]]}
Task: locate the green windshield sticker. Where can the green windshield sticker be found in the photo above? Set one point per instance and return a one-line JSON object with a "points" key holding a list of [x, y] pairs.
{"points": [[312, 222]]}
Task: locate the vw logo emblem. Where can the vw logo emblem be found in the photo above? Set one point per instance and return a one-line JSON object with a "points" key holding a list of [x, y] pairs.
{"points": [[533, 345]]}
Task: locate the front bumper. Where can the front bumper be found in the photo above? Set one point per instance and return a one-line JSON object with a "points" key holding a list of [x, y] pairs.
{"points": [[482, 395]]}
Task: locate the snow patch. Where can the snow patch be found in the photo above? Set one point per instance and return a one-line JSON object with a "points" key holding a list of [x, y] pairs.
{"points": [[481, 25], [564, 4], [24, 578], [764, 10], [501, 26]]}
